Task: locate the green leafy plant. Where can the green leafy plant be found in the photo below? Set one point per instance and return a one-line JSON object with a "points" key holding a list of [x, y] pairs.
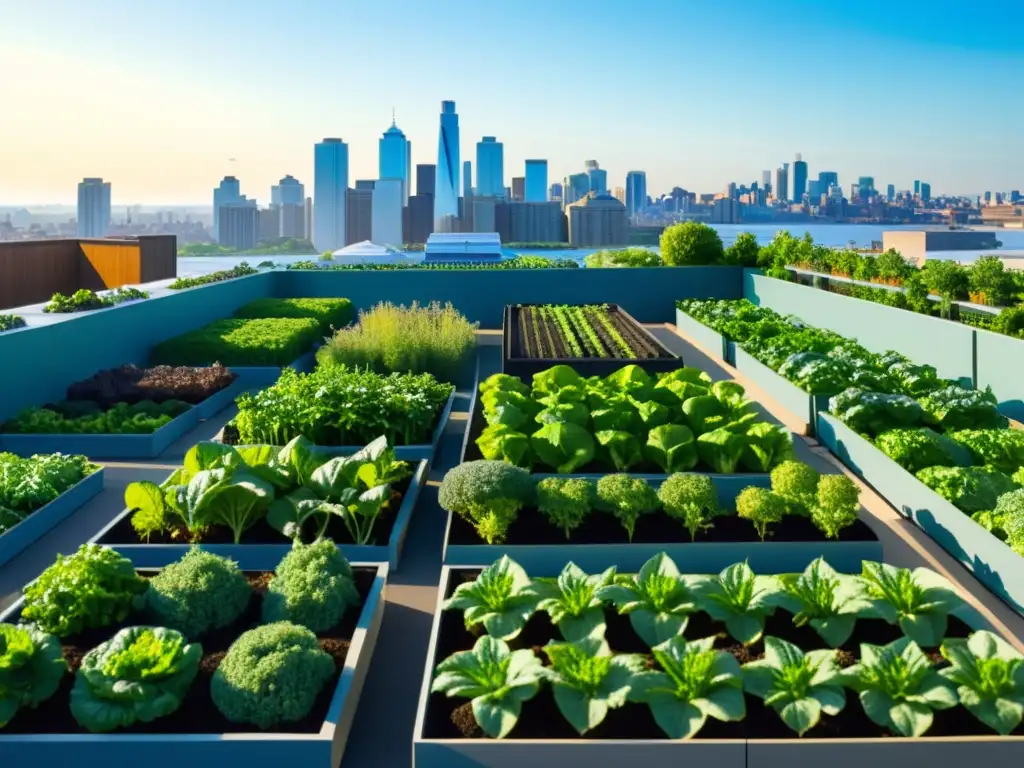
{"points": [[691, 499], [873, 413], [139, 675], [313, 586], [330, 313], [72, 418], [741, 600], [766, 446], [691, 243], [238, 342], [898, 687], [972, 489], [797, 483], [837, 505], [721, 449], [830, 602], [241, 270], [502, 599], [798, 686], [694, 682], [84, 300], [31, 668], [658, 600], [628, 498], [28, 484], [622, 448], [672, 447], [227, 496], [11, 322], [1002, 449], [920, 447], [563, 446], [565, 502], [761, 507], [919, 601], [1009, 515], [488, 494], [573, 603], [94, 587], [496, 679], [989, 675]]}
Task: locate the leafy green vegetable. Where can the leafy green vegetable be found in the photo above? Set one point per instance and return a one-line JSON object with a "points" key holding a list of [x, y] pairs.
{"points": [[957, 408], [920, 447], [989, 675], [797, 483], [140, 418], [313, 586], [573, 603], [628, 498], [488, 494], [1002, 449], [502, 598], [1009, 513], [837, 505], [621, 448], [27, 485], [816, 373], [830, 602], [31, 668], [671, 447], [873, 413], [919, 601], [691, 499], [563, 446], [330, 313], [741, 600], [972, 489], [761, 507], [502, 442], [721, 449], [565, 501], [766, 446]]}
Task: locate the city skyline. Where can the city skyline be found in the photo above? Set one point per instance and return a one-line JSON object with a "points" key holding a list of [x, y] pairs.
{"points": [[162, 123]]}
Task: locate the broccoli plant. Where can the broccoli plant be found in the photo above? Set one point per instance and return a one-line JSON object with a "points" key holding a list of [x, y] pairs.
{"points": [[691, 499], [140, 674], [572, 601], [797, 483], [31, 668], [761, 507], [837, 505], [695, 682], [627, 498], [898, 687], [830, 602], [502, 598], [565, 502], [989, 675], [741, 600], [798, 686], [496, 679], [919, 601], [313, 586], [587, 680], [658, 600], [488, 494]]}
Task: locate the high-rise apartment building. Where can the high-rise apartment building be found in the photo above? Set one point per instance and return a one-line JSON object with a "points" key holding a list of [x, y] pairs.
{"points": [[386, 212], [228, 193], [536, 190], [799, 179], [636, 192], [330, 185], [239, 224], [917, 187], [426, 179], [827, 180], [93, 207], [292, 220], [531, 222], [926, 191], [598, 177], [490, 167], [598, 220], [577, 187], [866, 185], [358, 215], [890, 192], [446, 190], [555, 192], [467, 179], [620, 194], [394, 158], [288, 191], [782, 182], [269, 224], [518, 188]]}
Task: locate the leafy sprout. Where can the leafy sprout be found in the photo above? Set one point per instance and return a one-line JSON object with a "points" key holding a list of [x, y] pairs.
{"points": [[919, 601], [502, 598], [742, 600], [830, 602], [691, 499], [989, 675], [572, 601]]}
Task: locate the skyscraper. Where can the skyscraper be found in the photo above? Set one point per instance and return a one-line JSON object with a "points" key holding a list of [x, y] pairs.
{"points": [[490, 167], [799, 178], [93, 207], [926, 191], [330, 185], [890, 192], [228, 193], [555, 192], [917, 187], [826, 180], [576, 187], [782, 182], [867, 187], [467, 178], [446, 190], [536, 181], [598, 177], [636, 192], [518, 188], [386, 212], [394, 158], [288, 191], [426, 178]]}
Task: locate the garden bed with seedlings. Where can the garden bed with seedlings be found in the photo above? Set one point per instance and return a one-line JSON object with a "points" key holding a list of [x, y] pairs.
{"points": [[164, 666], [596, 339], [704, 669], [251, 503]]}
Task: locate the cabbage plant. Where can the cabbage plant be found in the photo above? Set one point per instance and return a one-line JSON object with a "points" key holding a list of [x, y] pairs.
{"points": [[919, 601], [572, 601], [587, 680], [742, 600], [496, 679], [989, 675], [31, 668], [694, 682], [502, 598], [798, 686], [658, 599], [830, 602], [898, 687]]}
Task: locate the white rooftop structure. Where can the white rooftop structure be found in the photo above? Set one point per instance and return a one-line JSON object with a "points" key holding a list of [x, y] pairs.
{"points": [[463, 246], [371, 253]]}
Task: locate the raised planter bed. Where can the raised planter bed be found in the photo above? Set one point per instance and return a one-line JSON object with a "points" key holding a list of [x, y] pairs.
{"points": [[49, 516], [991, 561], [317, 746], [261, 554], [542, 739], [710, 340], [255, 376], [803, 405], [524, 356], [217, 402]]}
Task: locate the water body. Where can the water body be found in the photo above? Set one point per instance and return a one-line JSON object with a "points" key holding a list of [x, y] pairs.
{"points": [[833, 235]]}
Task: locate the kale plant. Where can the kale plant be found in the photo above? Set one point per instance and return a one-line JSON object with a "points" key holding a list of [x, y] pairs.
{"points": [[502, 598]]}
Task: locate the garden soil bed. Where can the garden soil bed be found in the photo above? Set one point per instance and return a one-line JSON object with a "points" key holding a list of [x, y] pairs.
{"points": [[452, 718], [197, 713], [533, 343], [263, 533]]}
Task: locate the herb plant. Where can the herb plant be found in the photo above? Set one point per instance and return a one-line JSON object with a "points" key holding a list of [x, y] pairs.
{"points": [[989, 675], [691, 499], [502, 598], [565, 502], [242, 270], [496, 679], [742, 600], [919, 601], [830, 602], [31, 668], [761, 507], [837, 505], [797, 483], [330, 313], [237, 342], [628, 498], [573, 603]]}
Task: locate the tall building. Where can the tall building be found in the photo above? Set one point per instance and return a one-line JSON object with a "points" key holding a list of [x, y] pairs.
{"points": [[725, 211], [917, 187], [890, 192], [227, 193], [598, 220], [292, 220], [490, 167], [536, 181], [782, 182], [288, 191], [620, 194], [636, 191], [766, 181], [386, 212], [467, 179], [365, 184], [269, 224], [866, 184], [394, 158], [926, 191], [555, 192], [239, 224], [330, 185], [482, 213], [93, 207], [519, 188], [358, 215], [426, 176], [598, 177], [531, 222], [446, 189], [827, 180], [577, 187], [799, 178]]}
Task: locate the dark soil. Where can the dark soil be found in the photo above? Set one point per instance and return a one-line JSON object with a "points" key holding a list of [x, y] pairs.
{"points": [[197, 713], [451, 718], [532, 527], [263, 533], [131, 384], [539, 338]]}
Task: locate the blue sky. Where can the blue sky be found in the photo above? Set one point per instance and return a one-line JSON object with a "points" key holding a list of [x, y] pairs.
{"points": [[156, 97]]}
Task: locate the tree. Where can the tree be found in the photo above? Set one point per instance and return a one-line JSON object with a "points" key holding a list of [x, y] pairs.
{"points": [[948, 279], [691, 243], [917, 294], [744, 251], [989, 278]]}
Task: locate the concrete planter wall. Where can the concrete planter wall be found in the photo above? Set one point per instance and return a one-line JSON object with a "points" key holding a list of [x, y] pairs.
{"points": [[46, 518], [260, 376], [217, 402], [992, 562], [265, 557], [803, 405], [1000, 365], [717, 345]]}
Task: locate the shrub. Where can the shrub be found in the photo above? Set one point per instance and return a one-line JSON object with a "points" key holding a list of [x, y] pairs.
{"points": [[488, 494], [744, 250], [31, 668], [312, 587], [271, 674], [625, 257], [84, 300], [414, 339], [691, 243], [330, 313], [988, 277], [237, 342], [10, 322], [241, 270], [199, 593]]}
